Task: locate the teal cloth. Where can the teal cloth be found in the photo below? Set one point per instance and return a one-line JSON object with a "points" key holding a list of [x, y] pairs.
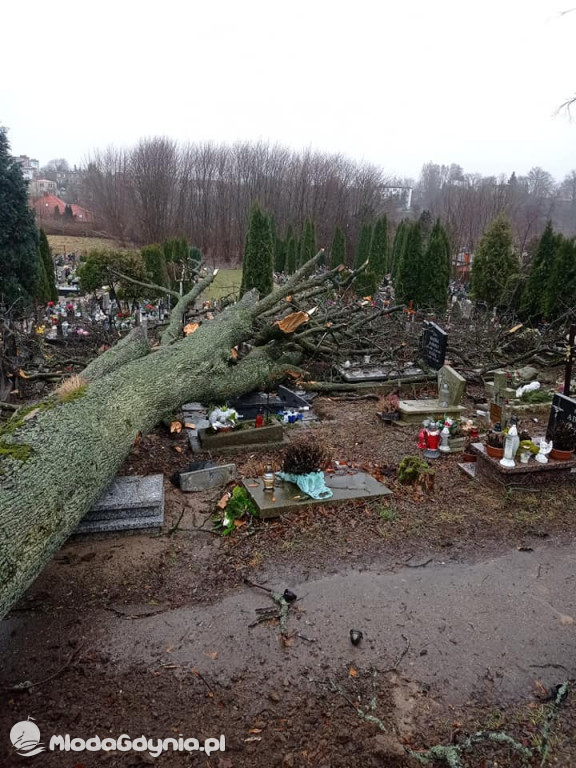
{"points": [[313, 484]]}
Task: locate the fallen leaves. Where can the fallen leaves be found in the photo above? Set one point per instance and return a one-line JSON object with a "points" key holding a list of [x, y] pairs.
{"points": [[352, 672], [211, 655], [175, 427], [191, 328]]}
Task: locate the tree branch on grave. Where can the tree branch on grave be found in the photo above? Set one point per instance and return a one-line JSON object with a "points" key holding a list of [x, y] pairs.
{"points": [[123, 393]]}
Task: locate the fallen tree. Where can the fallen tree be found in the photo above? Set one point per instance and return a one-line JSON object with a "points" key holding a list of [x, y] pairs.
{"points": [[57, 456]]}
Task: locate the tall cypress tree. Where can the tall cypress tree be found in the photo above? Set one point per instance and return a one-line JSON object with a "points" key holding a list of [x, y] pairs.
{"points": [[19, 256], [307, 243], [560, 290], [379, 249], [257, 265], [279, 254], [291, 255], [409, 272], [155, 266], [435, 273], [50, 292], [363, 246], [338, 250], [398, 247], [535, 297], [495, 263]]}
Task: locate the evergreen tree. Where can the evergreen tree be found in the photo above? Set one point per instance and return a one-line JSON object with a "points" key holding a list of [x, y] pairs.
{"points": [[435, 273], [561, 288], [338, 250], [291, 255], [363, 247], [398, 247], [279, 254], [495, 263], [426, 226], [409, 272], [307, 243], [155, 267], [50, 292], [19, 255], [257, 264], [535, 298], [379, 251]]}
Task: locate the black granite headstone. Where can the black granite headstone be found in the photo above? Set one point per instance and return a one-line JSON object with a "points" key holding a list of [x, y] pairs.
{"points": [[434, 343], [563, 409]]}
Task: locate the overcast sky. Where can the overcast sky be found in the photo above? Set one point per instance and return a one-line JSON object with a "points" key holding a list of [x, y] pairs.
{"points": [[394, 82]]}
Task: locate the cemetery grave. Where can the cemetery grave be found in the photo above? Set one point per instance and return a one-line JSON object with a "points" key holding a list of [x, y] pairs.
{"points": [[451, 387]]}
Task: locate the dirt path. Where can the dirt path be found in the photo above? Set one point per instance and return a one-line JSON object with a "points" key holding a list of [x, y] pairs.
{"points": [[436, 634]]}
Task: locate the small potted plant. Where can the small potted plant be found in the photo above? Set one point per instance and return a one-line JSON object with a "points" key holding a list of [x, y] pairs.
{"points": [[563, 440], [304, 464], [495, 444], [389, 407]]}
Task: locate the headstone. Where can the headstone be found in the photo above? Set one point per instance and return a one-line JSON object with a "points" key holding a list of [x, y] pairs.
{"points": [[501, 394], [434, 343], [562, 410], [450, 384], [451, 388], [205, 474], [129, 503]]}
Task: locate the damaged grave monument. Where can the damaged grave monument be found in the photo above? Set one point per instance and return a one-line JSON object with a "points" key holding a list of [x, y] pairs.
{"points": [[451, 388], [128, 504], [260, 424]]}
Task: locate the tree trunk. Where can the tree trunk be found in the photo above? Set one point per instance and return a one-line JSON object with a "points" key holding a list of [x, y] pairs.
{"points": [[71, 448]]}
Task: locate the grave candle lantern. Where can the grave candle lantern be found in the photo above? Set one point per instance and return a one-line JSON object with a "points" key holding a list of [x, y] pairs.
{"points": [[510, 447]]}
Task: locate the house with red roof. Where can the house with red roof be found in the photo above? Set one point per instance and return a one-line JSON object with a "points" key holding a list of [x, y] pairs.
{"points": [[49, 206]]}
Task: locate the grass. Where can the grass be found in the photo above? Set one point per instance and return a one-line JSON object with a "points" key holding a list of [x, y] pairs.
{"points": [[70, 243], [227, 281]]}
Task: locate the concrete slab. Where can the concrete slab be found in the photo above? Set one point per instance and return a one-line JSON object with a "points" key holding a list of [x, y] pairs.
{"points": [[247, 435], [129, 503], [287, 496], [210, 476], [415, 411]]}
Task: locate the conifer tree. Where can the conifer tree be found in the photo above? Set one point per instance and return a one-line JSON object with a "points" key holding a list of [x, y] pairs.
{"points": [[338, 250], [379, 250], [48, 278], [398, 247], [560, 290], [435, 272], [535, 297], [257, 265], [155, 266], [291, 255], [495, 263], [363, 246], [19, 255], [307, 243], [426, 226], [408, 282], [279, 254]]}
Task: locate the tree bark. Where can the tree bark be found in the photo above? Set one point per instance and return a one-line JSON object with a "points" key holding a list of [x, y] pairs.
{"points": [[57, 458]]}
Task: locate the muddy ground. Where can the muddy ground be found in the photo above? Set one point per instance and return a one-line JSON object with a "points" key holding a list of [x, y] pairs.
{"points": [[464, 596]]}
